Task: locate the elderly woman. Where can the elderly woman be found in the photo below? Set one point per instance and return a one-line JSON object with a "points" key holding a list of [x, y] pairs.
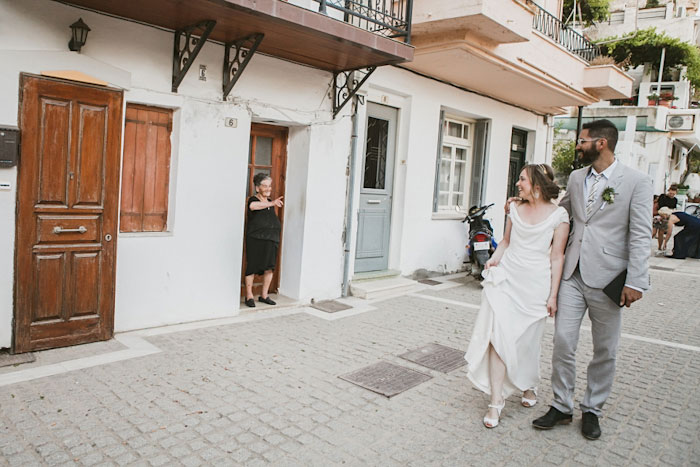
{"points": [[262, 238], [687, 241]]}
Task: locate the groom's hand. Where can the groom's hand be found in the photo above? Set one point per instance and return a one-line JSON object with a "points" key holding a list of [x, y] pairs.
{"points": [[629, 296]]}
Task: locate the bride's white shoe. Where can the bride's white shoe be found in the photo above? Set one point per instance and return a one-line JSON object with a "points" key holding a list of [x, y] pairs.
{"points": [[493, 422], [529, 402]]}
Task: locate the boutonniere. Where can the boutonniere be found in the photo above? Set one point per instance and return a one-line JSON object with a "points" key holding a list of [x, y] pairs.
{"points": [[609, 195]]}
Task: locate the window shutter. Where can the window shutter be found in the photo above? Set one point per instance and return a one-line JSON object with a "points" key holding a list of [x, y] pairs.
{"points": [[478, 184], [437, 162], [145, 169]]}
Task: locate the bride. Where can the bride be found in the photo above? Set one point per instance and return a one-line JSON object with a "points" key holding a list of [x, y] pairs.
{"points": [[521, 282]]}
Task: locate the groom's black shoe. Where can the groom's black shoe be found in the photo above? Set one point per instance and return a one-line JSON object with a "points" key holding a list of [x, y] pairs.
{"points": [[590, 428], [552, 418]]}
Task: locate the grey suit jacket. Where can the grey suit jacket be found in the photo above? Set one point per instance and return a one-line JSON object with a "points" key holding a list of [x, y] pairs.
{"points": [[617, 236]]}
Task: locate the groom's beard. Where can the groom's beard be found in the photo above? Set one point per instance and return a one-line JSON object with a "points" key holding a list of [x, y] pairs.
{"points": [[588, 156]]}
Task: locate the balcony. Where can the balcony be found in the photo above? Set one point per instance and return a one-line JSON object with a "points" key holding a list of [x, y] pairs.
{"points": [[487, 19], [538, 63], [352, 34]]}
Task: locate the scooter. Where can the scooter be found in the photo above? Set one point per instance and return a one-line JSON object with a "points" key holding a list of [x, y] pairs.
{"points": [[481, 243]]}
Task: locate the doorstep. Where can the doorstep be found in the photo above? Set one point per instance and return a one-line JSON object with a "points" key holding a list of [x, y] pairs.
{"points": [[383, 287]]}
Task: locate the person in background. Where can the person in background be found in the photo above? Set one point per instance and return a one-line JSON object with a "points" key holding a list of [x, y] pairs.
{"points": [[667, 200], [686, 243], [262, 238]]}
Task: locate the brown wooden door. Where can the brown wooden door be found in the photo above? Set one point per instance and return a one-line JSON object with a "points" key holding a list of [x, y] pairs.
{"points": [[67, 213], [267, 154]]}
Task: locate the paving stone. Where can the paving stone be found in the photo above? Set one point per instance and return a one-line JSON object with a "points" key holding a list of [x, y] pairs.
{"points": [[267, 391]]}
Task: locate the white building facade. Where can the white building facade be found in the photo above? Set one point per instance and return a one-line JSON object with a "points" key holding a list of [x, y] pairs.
{"points": [[430, 145]]}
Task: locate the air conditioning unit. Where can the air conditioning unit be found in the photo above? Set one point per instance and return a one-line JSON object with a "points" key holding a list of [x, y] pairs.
{"points": [[680, 122]]}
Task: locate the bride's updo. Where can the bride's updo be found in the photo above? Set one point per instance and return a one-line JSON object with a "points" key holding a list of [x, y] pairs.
{"points": [[542, 176]]}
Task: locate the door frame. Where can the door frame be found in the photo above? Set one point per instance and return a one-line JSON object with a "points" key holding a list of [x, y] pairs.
{"points": [[279, 178], [106, 331]]}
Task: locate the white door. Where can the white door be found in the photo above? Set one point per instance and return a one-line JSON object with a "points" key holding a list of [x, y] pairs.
{"points": [[374, 220]]}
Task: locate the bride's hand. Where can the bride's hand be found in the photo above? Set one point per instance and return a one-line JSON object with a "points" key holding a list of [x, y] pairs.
{"points": [[490, 263], [552, 306]]}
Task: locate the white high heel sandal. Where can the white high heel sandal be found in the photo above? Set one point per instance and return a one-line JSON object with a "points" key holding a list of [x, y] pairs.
{"points": [[529, 402], [493, 422]]}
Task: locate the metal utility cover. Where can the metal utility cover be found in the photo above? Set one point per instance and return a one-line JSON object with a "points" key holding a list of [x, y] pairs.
{"points": [[386, 378], [436, 357], [7, 359], [429, 282], [330, 306]]}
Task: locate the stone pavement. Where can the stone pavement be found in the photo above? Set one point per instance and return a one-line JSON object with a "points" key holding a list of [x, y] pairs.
{"points": [[263, 388]]}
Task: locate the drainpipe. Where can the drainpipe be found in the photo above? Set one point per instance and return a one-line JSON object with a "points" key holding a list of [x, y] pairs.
{"points": [[579, 124], [349, 213]]}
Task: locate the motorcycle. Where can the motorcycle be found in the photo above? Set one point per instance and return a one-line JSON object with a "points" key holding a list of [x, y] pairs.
{"points": [[481, 243]]}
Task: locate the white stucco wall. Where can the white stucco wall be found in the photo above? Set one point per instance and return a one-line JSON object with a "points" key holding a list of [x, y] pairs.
{"points": [[419, 238], [192, 271]]}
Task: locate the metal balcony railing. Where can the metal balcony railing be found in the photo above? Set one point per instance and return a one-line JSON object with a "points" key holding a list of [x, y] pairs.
{"points": [[390, 18], [552, 27]]}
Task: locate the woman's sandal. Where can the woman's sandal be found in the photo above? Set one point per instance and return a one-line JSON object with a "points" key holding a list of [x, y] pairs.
{"points": [[493, 422], [529, 402]]}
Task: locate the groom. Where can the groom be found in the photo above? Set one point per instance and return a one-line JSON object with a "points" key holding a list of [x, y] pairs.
{"points": [[610, 206]]}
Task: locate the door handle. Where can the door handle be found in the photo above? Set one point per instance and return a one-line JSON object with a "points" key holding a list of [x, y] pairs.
{"points": [[374, 201], [57, 230]]}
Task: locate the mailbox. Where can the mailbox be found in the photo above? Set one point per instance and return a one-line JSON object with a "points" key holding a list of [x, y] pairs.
{"points": [[9, 146]]}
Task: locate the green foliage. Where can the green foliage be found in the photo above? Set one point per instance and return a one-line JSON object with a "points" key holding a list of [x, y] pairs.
{"points": [[652, 4], [646, 46], [563, 154], [591, 10]]}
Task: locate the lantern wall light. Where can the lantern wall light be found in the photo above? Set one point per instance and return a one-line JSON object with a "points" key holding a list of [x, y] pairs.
{"points": [[79, 32]]}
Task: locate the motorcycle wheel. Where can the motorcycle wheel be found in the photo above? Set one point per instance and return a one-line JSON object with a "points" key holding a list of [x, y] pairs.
{"points": [[477, 269]]}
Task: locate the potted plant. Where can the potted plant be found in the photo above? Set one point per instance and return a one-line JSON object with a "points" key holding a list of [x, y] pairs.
{"points": [[653, 99], [666, 98], [683, 189]]}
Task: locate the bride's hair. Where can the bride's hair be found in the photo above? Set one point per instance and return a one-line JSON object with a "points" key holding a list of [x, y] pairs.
{"points": [[542, 176]]}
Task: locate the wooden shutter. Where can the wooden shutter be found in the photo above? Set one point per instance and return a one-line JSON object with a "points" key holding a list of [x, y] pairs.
{"points": [[478, 183], [145, 169], [436, 189]]}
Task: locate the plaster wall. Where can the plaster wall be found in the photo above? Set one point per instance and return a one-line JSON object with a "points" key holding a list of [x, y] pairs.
{"points": [[193, 270], [428, 240]]}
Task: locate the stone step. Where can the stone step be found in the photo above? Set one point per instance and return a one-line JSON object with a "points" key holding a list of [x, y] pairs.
{"points": [[380, 288], [374, 275]]}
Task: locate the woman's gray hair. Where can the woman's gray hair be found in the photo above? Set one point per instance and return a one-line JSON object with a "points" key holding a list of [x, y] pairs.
{"points": [[259, 178]]}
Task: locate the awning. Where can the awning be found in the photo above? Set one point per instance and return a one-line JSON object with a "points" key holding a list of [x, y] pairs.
{"points": [[569, 123]]}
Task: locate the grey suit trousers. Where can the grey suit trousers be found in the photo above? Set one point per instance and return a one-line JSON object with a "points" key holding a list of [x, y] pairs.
{"points": [[606, 322]]}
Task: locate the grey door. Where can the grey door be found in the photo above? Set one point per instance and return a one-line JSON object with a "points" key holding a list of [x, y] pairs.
{"points": [[374, 223]]}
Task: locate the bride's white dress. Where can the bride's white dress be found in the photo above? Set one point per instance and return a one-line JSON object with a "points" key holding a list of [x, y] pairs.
{"points": [[514, 306]]}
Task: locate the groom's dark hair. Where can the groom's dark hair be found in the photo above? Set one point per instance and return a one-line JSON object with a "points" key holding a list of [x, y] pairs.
{"points": [[603, 129]]}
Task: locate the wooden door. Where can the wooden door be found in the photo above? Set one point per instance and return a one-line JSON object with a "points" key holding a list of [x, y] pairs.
{"points": [[67, 213], [267, 154]]}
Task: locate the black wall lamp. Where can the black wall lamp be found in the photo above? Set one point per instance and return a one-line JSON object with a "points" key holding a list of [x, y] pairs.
{"points": [[79, 32]]}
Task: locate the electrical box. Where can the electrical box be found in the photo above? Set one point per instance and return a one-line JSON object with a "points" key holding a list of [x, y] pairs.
{"points": [[9, 146]]}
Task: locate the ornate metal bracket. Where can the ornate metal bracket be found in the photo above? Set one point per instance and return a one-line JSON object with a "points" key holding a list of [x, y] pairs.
{"points": [[346, 84], [237, 54], [188, 43]]}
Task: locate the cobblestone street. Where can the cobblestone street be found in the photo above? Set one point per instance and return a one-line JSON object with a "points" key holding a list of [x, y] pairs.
{"points": [[264, 389]]}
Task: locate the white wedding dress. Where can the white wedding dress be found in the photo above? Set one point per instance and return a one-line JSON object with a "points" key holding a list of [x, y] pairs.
{"points": [[514, 306]]}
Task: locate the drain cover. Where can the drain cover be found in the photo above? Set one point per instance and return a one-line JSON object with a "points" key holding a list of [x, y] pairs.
{"points": [[429, 282], [436, 357], [386, 378], [7, 359], [330, 306]]}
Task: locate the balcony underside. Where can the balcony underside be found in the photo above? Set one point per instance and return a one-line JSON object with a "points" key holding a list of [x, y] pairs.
{"points": [[473, 68], [291, 32]]}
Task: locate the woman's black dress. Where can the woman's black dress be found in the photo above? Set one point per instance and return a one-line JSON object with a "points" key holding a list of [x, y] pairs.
{"points": [[687, 242], [262, 239]]}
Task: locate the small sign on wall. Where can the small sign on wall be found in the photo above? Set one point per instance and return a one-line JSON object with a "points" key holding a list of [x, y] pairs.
{"points": [[9, 146]]}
